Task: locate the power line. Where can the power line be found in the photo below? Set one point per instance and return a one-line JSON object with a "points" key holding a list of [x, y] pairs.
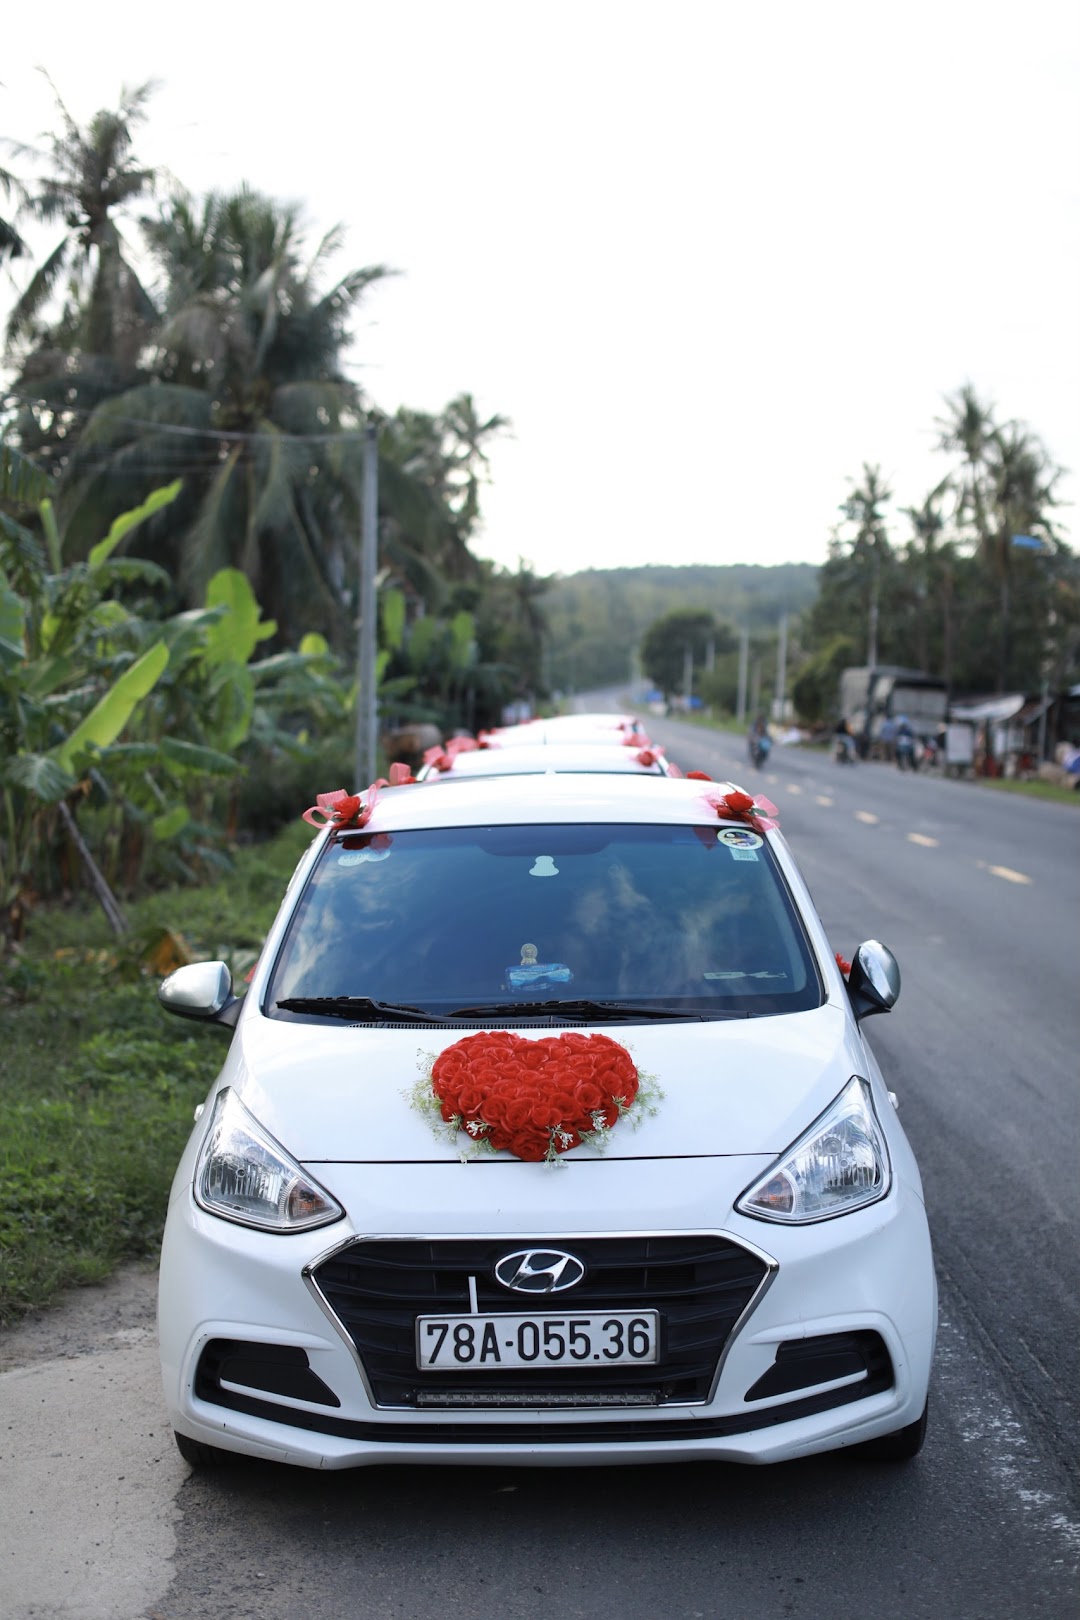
{"points": [[178, 430]]}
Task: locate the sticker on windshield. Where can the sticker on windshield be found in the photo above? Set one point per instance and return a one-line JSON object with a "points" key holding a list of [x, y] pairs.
{"points": [[740, 838], [545, 867], [744, 854]]}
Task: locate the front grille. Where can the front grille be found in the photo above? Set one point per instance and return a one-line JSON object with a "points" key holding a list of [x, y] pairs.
{"points": [[700, 1285]]}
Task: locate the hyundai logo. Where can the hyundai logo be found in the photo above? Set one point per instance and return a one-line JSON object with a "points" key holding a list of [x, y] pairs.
{"points": [[539, 1271]]}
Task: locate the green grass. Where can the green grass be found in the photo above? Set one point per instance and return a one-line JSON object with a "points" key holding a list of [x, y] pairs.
{"points": [[1030, 790], [98, 1084]]}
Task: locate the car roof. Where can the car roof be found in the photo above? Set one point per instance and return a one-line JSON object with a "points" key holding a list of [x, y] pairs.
{"points": [[565, 724], [536, 733], [564, 798], [535, 758]]}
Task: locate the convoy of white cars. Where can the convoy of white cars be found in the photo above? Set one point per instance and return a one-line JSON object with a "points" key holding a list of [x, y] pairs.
{"points": [[548, 1133]]}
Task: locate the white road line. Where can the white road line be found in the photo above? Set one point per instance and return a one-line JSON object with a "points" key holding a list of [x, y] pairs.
{"points": [[1005, 872], [921, 838], [823, 798], [793, 787], [865, 815], [1009, 875]]}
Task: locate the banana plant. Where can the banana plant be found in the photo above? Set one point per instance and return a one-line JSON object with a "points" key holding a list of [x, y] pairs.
{"points": [[75, 667]]}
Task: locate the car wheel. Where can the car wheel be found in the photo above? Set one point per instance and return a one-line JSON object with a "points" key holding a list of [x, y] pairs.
{"points": [[900, 1446], [199, 1455]]}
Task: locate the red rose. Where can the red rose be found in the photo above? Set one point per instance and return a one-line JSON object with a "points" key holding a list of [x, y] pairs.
{"points": [[517, 1114], [530, 1145], [589, 1095], [545, 1115]]}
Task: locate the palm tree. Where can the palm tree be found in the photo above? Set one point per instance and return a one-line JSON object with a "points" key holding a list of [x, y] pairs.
{"points": [[970, 430], [930, 556], [870, 545], [94, 176], [247, 401], [1022, 495], [12, 245], [1005, 487], [430, 472], [70, 357]]}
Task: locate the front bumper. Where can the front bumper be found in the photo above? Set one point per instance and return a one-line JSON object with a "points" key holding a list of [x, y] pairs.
{"points": [[866, 1276]]}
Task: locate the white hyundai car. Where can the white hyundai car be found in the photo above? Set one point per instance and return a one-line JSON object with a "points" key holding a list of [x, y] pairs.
{"points": [[548, 1134]]}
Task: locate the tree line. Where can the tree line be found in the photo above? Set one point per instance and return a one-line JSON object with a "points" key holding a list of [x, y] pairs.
{"points": [[974, 585], [166, 336]]}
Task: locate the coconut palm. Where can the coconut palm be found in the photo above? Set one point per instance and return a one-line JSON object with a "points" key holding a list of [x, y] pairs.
{"points": [[930, 562], [864, 508], [12, 245], [248, 403], [1022, 497], [94, 176]]}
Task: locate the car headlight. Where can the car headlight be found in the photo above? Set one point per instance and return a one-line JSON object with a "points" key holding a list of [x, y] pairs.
{"points": [[841, 1163], [243, 1175]]}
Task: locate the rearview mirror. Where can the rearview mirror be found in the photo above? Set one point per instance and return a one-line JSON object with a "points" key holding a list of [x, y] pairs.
{"points": [[874, 980], [201, 990]]}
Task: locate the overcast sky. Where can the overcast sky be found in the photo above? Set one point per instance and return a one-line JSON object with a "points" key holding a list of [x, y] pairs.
{"points": [[708, 257]]}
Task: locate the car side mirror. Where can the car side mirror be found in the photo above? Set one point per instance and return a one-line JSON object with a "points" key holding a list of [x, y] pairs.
{"points": [[201, 990], [874, 979]]}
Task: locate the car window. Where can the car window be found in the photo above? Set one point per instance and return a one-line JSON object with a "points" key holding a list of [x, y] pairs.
{"points": [[676, 916]]}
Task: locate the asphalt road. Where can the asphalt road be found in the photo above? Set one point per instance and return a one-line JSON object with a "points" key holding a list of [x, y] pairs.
{"points": [[979, 896]]}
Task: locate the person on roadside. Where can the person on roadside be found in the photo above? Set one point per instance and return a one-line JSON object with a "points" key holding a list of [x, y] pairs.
{"points": [[760, 741], [845, 742], [887, 738], [906, 757]]}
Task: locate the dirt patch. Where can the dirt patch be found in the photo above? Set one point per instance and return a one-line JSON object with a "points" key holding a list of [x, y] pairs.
{"points": [[85, 1321]]}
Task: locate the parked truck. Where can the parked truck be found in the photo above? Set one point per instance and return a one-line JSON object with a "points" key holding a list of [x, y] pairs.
{"points": [[869, 695]]}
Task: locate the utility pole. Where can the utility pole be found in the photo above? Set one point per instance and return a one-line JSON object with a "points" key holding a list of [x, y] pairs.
{"points": [[781, 669], [872, 626], [744, 661], [366, 696], [688, 673]]}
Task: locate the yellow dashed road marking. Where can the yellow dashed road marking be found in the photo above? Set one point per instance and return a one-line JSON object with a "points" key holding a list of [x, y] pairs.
{"points": [[1009, 875], [921, 838], [865, 815], [823, 798]]}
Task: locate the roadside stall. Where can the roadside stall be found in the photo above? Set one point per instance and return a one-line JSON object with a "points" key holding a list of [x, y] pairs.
{"points": [[998, 739]]}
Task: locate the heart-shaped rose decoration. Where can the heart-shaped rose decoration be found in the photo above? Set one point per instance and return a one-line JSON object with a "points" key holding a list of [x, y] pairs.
{"points": [[535, 1098]]}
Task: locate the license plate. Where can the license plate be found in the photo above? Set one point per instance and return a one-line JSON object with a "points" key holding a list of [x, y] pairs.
{"points": [[592, 1339]]}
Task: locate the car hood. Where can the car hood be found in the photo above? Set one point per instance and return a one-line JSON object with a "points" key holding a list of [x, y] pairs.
{"points": [[334, 1093]]}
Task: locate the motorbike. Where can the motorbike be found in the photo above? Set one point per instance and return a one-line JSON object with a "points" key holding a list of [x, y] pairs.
{"points": [[907, 758], [760, 747]]}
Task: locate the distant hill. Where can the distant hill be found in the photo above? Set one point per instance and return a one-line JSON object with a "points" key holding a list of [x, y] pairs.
{"points": [[598, 617]]}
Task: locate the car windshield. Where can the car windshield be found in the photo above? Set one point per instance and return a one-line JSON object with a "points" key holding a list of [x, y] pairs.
{"points": [[671, 918]]}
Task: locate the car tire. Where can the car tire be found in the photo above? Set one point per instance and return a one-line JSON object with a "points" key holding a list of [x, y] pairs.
{"points": [[199, 1455], [900, 1446]]}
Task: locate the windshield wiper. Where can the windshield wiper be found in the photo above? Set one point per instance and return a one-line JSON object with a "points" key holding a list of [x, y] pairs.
{"points": [[614, 1012], [358, 1008]]}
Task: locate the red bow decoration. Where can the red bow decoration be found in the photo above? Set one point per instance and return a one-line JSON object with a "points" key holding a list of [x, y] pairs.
{"points": [[739, 806], [400, 774], [698, 776], [647, 756], [341, 809], [437, 756], [843, 964]]}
